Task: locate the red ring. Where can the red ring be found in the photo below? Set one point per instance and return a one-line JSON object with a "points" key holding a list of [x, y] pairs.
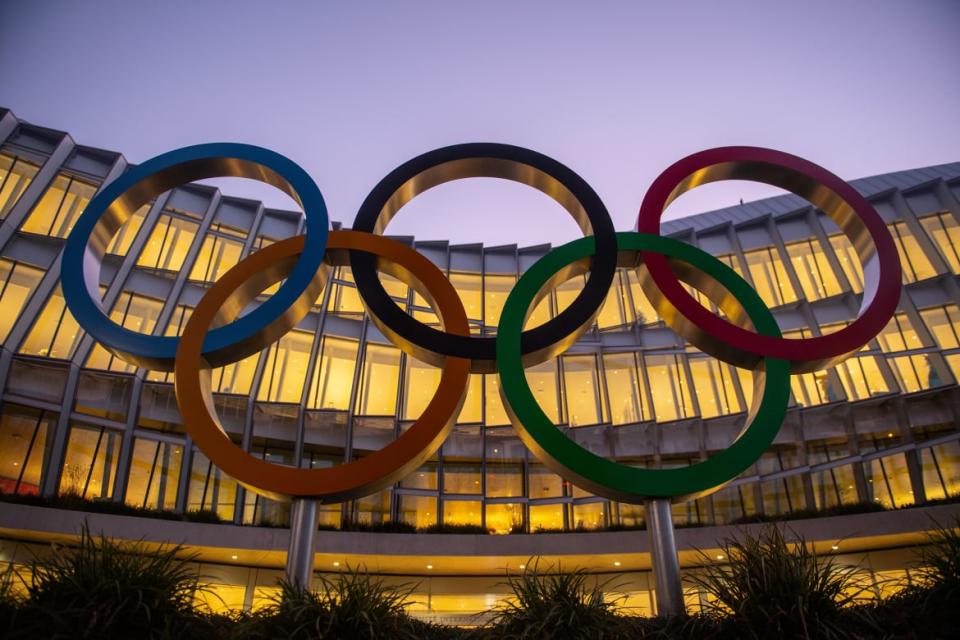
{"points": [[820, 187]]}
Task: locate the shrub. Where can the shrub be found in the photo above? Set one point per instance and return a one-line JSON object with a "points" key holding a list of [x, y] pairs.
{"points": [[774, 590], [354, 605], [555, 605], [107, 589]]}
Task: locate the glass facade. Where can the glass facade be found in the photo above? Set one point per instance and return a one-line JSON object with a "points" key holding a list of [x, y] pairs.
{"points": [[334, 389]]}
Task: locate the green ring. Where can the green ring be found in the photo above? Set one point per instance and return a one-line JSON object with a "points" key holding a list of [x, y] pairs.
{"points": [[611, 479]]}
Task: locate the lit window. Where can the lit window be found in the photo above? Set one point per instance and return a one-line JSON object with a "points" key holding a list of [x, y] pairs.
{"points": [[915, 264], [333, 374], [668, 386], [583, 390], [16, 174], [468, 286], [154, 474], [168, 244], [646, 314], [616, 310], [713, 382], [133, 312], [542, 379], [23, 438], [17, 283], [90, 465], [210, 489], [899, 335], [623, 387], [505, 518], [125, 235], [849, 261], [286, 368], [770, 279], [942, 323], [216, 256], [420, 385], [496, 288], [59, 208], [813, 270], [55, 334], [945, 231], [378, 386]]}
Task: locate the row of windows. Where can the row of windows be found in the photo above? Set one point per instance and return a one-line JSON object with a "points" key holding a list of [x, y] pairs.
{"points": [[461, 490], [174, 233]]}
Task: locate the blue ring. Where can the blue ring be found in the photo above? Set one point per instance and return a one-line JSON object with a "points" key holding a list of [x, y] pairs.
{"points": [[80, 267]]}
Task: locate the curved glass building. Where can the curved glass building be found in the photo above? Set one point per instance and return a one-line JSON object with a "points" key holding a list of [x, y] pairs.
{"points": [[861, 442]]}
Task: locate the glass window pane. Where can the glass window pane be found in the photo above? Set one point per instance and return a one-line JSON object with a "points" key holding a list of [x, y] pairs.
{"points": [[58, 209], [668, 387], [216, 256], [861, 377], [505, 518], [472, 411], [468, 286], [583, 390], [16, 174], [23, 438], [90, 465], [945, 232], [333, 374], [210, 489], [125, 235], [17, 283], [849, 261], [420, 511], [286, 368], [769, 277], [462, 512], [168, 244], [55, 334], [624, 389], [496, 289], [942, 323], [378, 385], [813, 270], [915, 264], [542, 379], [154, 474], [546, 517], [420, 385], [714, 384]]}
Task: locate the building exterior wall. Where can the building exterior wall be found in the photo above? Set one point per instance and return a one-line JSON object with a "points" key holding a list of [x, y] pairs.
{"points": [[882, 427]]}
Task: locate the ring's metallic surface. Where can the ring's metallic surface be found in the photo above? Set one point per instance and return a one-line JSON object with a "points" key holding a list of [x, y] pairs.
{"points": [[621, 481], [364, 476], [494, 161], [852, 213], [109, 209]]}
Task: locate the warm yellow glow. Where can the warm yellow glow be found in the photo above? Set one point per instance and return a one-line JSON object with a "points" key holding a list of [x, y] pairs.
{"points": [[16, 174], [769, 276], [59, 208], [286, 368], [378, 385], [333, 374], [55, 334], [168, 244], [17, 283], [812, 268], [624, 388], [945, 232]]}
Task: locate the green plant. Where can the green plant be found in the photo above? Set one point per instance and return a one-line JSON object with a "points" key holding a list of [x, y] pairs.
{"points": [[456, 528], [106, 589], [353, 605], [558, 605], [774, 589]]}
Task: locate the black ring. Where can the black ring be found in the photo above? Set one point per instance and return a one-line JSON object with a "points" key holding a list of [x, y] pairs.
{"points": [[485, 160]]}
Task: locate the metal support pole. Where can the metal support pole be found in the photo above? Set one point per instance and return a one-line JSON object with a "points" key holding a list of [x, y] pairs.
{"points": [[303, 530], [663, 552]]}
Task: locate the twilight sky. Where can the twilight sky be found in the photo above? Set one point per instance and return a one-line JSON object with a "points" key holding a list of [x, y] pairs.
{"points": [[617, 91]]}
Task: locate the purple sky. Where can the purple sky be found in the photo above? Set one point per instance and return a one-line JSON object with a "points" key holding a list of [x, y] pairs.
{"points": [[617, 91]]}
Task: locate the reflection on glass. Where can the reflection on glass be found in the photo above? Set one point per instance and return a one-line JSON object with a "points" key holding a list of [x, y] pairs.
{"points": [[899, 335], [121, 242], [420, 385], [17, 282], [333, 374], [210, 489], [590, 515], [55, 334], [668, 386], [59, 208], [861, 377], [917, 372], [942, 323], [217, 255], [154, 473], [420, 511], [888, 482], [134, 312], [623, 387], [378, 384], [462, 512], [546, 517], [286, 368], [916, 265], [505, 518], [941, 470], [714, 384], [583, 390], [945, 232], [849, 261], [813, 270], [646, 314], [770, 279], [23, 439], [542, 379], [168, 244], [90, 465]]}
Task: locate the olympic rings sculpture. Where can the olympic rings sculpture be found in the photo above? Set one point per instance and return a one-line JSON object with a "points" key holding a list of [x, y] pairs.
{"points": [[219, 333]]}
